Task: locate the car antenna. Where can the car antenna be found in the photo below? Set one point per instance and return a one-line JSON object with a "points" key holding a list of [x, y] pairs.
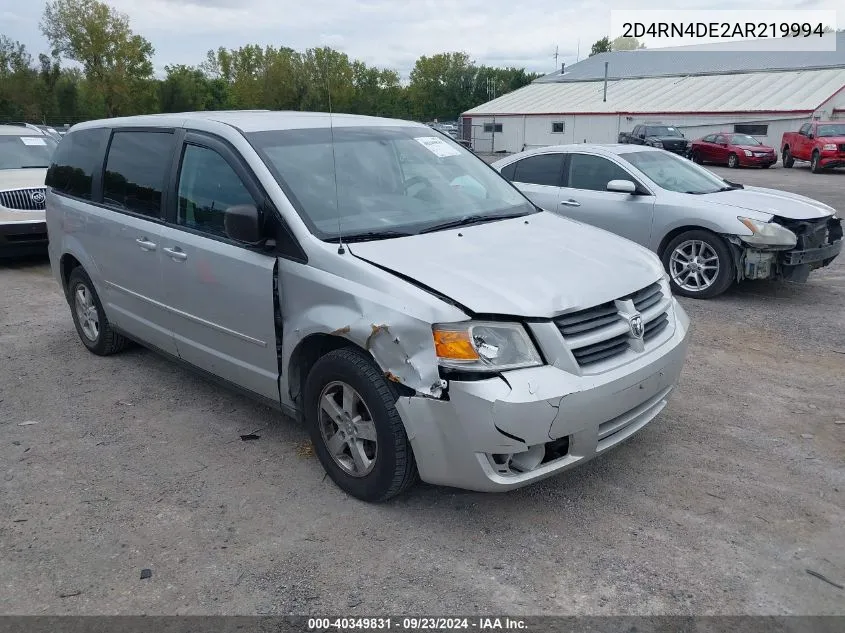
{"points": [[340, 249]]}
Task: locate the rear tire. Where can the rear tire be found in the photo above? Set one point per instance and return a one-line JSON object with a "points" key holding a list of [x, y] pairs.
{"points": [[90, 319], [815, 159], [788, 160], [733, 161], [698, 247], [385, 467]]}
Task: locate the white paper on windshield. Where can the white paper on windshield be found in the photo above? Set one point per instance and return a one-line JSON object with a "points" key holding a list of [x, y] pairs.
{"points": [[32, 140], [437, 146]]}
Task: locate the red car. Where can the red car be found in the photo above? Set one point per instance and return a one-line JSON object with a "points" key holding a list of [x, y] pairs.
{"points": [[733, 150]]}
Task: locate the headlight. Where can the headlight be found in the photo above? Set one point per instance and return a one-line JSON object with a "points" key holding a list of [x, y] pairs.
{"points": [[657, 144], [829, 147], [484, 346], [748, 152], [767, 234]]}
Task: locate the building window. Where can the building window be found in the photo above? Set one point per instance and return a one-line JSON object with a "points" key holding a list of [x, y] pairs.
{"points": [[558, 127], [489, 128], [754, 129]]}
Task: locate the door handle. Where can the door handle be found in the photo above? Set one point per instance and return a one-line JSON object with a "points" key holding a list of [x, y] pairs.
{"points": [[176, 253], [145, 244], [570, 203]]}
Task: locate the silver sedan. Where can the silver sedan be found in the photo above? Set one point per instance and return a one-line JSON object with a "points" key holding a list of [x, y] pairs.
{"points": [[709, 232]]}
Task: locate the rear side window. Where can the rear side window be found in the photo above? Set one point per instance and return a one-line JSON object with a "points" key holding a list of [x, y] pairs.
{"points": [[543, 169], [593, 172], [78, 157], [136, 170]]}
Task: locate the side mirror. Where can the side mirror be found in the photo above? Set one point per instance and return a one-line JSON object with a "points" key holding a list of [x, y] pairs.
{"points": [[811, 135], [622, 186], [242, 223]]}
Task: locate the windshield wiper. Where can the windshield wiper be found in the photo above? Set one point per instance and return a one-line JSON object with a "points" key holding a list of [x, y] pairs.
{"points": [[370, 235], [470, 219], [33, 167]]}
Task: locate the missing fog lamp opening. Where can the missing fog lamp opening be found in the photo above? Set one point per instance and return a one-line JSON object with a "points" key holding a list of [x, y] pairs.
{"points": [[484, 346]]}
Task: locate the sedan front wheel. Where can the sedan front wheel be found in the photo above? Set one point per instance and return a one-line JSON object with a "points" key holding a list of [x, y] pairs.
{"points": [[699, 264]]}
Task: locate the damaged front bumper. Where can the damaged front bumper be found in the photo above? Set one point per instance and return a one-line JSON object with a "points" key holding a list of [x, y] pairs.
{"points": [[505, 432], [818, 244]]}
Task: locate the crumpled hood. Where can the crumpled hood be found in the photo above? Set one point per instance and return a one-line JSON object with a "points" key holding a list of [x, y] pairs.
{"points": [[534, 269], [780, 203], [22, 178]]}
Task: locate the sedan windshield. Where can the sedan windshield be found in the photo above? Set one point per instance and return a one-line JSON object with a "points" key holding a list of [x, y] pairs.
{"points": [[663, 130], [836, 129], [744, 139], [674, 173], [21, 152], [381, 182]]}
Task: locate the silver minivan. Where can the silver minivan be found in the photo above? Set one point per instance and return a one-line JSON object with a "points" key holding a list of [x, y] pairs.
{"points": [[372, 278]]}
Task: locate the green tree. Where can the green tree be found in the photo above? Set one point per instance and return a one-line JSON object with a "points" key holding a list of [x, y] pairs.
{"points": [[184, 89], [602, 46], [626, 44], [117, 62], [21, 94]]}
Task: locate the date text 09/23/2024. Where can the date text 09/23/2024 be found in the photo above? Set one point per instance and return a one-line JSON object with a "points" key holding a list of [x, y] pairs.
{"points": [[417, 624]]}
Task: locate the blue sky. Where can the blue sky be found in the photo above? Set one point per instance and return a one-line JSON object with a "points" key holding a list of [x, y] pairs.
{"points": [[381, 32]]}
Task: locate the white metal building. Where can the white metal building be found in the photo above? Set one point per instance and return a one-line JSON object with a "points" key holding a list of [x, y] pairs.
{"points": [[699, 91]]}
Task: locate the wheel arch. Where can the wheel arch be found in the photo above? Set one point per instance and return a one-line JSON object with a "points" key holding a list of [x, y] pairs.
{"points": [[313, 347], [675, 232]]}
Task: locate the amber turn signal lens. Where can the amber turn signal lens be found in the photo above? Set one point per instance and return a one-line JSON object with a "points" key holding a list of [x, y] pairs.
{"points": [[454, 345]]}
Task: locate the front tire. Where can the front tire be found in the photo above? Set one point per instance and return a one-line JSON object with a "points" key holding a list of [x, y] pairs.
{"points": [[815, 159], [696, 157], [700, 264], [90, 319], [357, 433], [733, 161], [788, 159]]}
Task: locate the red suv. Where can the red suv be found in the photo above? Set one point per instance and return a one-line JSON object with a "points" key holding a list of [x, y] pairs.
{"points": [[733, 150]]}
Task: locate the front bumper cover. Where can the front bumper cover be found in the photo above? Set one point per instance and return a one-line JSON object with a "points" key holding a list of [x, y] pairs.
{"points": [[455, 440]]}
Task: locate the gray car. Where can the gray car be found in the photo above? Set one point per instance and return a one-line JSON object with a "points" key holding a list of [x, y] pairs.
{"points": [[372, 278], [708, 232]]}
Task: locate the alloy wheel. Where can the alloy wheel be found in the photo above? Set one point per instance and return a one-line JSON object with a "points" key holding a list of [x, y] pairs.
{"points": [[86, 312], [347, 429], [694, 265]]}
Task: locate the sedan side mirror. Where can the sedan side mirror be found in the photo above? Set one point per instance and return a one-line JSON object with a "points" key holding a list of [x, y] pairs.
{"points": [[811, 135], [242, 223], [622, 186]]}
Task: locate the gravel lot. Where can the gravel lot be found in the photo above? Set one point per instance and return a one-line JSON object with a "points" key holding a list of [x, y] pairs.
{"points": [[718, 507]]}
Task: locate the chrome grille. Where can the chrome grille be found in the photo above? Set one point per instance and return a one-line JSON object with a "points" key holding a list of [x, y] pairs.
{"points": [[602, 333], [655, 327], [22, 199], [647, 297], [599, 351], [588, 320]]}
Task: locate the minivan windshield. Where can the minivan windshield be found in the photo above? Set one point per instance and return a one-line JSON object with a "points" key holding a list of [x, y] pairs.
{"points": [[674, 173], [391, 181], [22, 152]]}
